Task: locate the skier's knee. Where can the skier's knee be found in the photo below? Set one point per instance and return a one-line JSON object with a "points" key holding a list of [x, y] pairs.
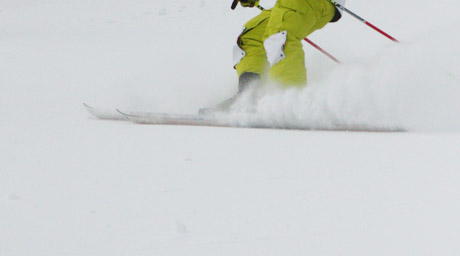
{"points": [[274, 46]]}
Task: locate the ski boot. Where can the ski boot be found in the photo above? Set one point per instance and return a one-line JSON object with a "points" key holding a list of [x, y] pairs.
{"points": [[246, 81]]}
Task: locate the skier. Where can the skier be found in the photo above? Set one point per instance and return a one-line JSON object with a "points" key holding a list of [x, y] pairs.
{"points": [[272, 42], [273, 39]]}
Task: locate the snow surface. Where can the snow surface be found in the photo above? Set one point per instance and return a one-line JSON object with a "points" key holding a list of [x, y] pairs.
{"points": [[72, 185]]}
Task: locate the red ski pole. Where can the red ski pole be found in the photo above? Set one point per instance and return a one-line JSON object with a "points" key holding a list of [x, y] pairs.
{"points": [[321, 50], [363, 21]]}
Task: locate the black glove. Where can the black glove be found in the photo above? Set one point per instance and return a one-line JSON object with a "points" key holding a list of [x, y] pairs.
{"points": [[245, 3]]}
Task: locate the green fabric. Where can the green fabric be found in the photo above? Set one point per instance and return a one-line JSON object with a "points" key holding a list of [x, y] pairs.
{"points": [[299, 18], [251, 41], [249, 3]]}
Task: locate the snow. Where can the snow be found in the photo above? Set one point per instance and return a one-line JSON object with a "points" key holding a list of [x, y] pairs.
{"points": [[73, 185]]}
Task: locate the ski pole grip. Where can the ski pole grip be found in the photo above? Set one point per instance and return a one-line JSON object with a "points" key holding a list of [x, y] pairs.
{"points": [[234, 4]]}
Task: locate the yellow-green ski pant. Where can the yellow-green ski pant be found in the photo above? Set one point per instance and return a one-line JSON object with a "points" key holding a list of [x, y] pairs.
{"points": [[296, 18]]}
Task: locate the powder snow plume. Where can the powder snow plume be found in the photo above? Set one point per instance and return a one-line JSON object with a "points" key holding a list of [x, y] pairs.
{"points": [[414, 85]]}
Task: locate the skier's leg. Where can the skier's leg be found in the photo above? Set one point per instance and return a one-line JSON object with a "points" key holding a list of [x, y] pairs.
{"points": [[290, 22], [249, 57], [249, 53]]}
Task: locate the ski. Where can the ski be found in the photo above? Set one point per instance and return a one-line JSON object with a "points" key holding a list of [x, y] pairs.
{"points": [[212, 120], [104, 114], [221, 121], [180, 119]]}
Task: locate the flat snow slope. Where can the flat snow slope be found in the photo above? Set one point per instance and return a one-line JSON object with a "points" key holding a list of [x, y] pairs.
{"points": [[72, 185]]}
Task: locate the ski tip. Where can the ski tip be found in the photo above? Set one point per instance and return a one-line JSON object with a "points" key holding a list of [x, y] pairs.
{"points": [[90, 109], [87, 106], [121, 112], [93, 111], [103, 114], [125, 114]]}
